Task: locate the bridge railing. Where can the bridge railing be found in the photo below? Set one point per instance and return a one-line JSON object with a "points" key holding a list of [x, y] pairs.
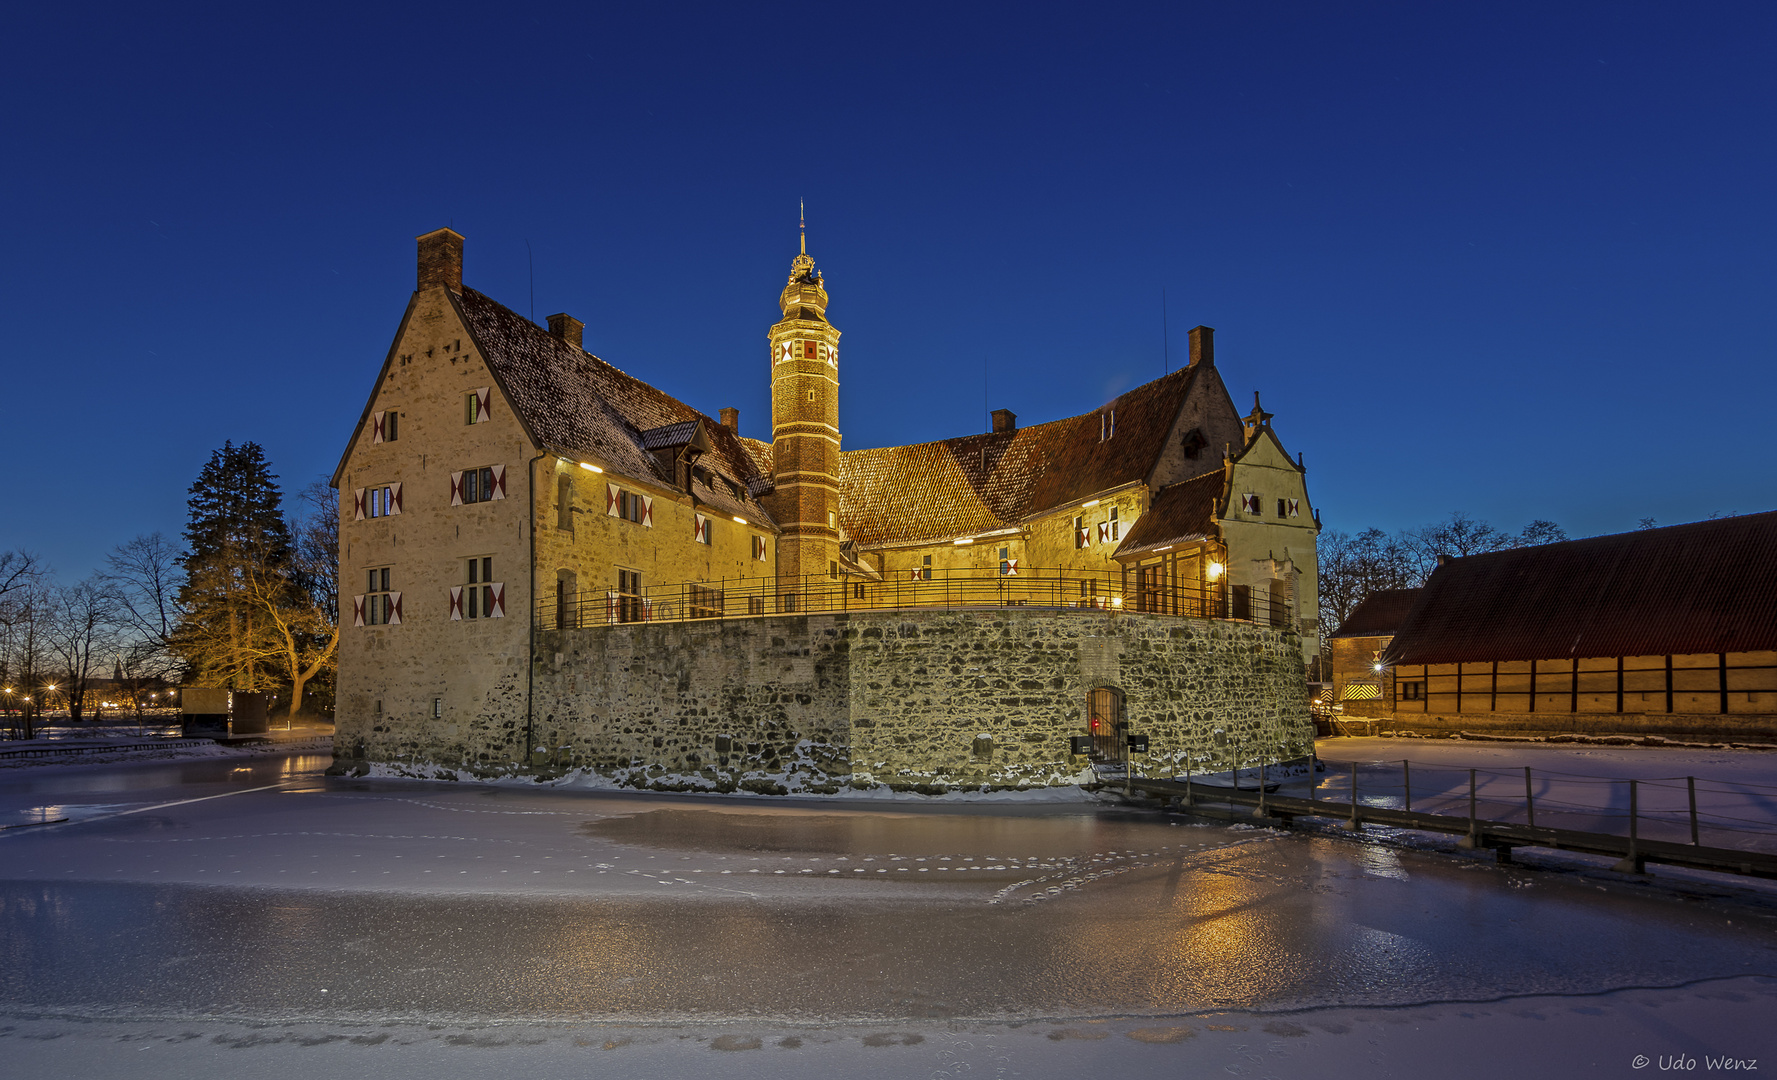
{"points": [[1060, 589]]}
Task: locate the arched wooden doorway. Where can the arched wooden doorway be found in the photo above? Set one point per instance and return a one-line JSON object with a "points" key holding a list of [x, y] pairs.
{"points": [[1104, 722]]}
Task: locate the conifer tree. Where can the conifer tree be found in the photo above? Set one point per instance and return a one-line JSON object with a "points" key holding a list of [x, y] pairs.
{"points": [[236, 565]]}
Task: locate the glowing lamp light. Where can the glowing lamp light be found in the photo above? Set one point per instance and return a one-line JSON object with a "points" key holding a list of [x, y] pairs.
{"points": [[591, 468], [963, 541], [1215, 571], [1089, 504], [1116, 601], [740, 519], [1377, 665]]}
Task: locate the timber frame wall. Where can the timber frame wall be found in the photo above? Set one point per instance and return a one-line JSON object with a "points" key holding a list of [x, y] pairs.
{"points": [[1742, 684]]}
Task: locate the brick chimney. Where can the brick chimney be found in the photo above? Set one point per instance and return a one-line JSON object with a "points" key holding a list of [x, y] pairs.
{"points": [[1203, 346], [731, 420], [1005, 420], [441, 260], [568, 328]]}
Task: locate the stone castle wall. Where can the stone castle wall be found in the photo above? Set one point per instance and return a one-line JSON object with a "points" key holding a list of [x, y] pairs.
{"points": [[921, 699]]}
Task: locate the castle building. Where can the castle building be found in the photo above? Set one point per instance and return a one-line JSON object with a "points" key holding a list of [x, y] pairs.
{"points": [[503, 484]]}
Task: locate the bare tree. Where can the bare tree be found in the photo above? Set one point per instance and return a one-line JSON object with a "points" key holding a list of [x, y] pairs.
{"points": [[1540, 532], [143, 578], [1354, 567], [24, 659], [80, 633], [314, 571]]}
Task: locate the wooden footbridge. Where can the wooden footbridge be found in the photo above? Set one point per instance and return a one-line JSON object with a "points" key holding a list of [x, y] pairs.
{"points": [[1632, 851]]}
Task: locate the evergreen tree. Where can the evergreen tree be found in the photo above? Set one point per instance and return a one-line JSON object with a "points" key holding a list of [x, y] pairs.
{"points": [[236, 564]]}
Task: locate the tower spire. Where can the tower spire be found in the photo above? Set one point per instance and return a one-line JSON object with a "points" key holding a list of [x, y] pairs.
{"points": [[802, 223]]}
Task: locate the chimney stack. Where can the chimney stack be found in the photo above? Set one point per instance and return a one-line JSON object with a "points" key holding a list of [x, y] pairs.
{"points": [[441, 260], [1203, 346], [731, 420], [1005, 420], [568, 328]]}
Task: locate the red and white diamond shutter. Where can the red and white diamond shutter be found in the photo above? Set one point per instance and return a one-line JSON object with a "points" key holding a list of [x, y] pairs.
{"points": [[376, 427], [394, 609], [496, 604], [358, 504], [612, 496], [1009, 567], [484, 396], [1249, 503], [1104, 531], [913, 575], [1295, 507], [611, 603], [456, 489], [832, 356], [499, 482], [647, 511], [357, 611], [394, 499], [1083, 536], [786, 351], [456, 603], [700, 529], [647, 609]]}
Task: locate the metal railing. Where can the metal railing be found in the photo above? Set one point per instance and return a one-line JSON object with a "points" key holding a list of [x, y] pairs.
{"points": [[1044, 588]]}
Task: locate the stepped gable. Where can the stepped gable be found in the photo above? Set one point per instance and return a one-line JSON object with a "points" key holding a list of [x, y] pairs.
{"points": [[575, 403], [1380, 615], [1180, 513], [1706, 587], [977, 483]]}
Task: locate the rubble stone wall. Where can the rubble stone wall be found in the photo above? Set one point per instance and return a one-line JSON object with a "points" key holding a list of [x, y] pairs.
{"points": [[920, 699]]}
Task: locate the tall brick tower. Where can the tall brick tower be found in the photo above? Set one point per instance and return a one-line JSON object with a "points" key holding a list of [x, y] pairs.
{"points": [[805, 429]]}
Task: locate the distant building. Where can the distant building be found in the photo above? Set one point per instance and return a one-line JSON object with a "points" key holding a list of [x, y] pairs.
{"points": [[1362, 683], [1662, 631], [504, 483]]}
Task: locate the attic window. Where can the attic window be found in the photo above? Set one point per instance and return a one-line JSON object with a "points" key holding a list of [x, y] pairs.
{"points": [[1107, 425], [1194, 442]]}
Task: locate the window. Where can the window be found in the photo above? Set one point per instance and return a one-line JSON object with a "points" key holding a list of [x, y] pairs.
{"points": [[832, 520], [630, 605], [857, 590], [1082, 538], [1411, 691], [381, 502], [811, 395], [564, 503], [1283, 508], [376, 502], [629, 505], [391, 427], [379, 605], [480, 597], [384, 426], [761, 550], [478, 485], [1114, 523], [1008, 565], [476, 406], [925, 571], [833, 569], [1249, 504], [700, 529], [755, 605]]}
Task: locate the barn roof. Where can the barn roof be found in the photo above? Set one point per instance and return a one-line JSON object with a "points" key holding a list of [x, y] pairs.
{"points": [[1380, 615], [1706, 587]]}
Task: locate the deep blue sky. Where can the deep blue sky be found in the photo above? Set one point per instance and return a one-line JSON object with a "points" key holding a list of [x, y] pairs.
{"points": [[1513, 259]]}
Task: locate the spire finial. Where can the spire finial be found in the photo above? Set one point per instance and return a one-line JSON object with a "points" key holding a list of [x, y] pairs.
{"points": [[802, 223]]}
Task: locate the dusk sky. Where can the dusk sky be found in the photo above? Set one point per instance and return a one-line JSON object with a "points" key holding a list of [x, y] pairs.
{"points": [[1517, 260]]}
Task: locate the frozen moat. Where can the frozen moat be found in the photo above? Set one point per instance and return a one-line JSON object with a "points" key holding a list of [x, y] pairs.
{"points": [[227, 897]]}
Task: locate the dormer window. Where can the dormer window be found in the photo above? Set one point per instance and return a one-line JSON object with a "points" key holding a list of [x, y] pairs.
{"points": [[1193, 443]]}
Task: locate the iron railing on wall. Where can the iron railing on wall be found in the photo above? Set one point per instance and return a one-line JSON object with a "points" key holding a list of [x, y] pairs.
{"points": [[1057, 589]]}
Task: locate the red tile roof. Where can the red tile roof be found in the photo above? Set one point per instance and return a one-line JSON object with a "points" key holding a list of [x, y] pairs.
{"points": [[1180, 513], [976, 483], [576, 404], [1707, 587]]}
